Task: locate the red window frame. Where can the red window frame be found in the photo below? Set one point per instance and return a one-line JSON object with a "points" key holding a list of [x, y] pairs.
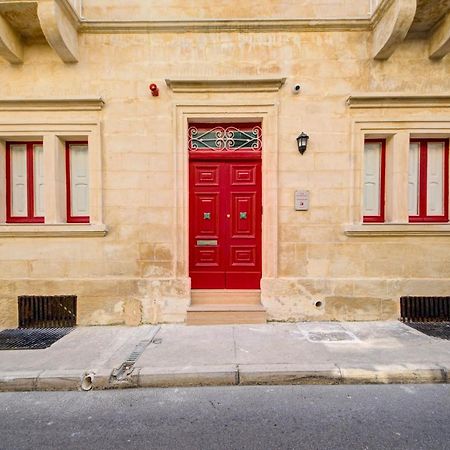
{"points": [[422, 200], [70, 218], [380, 217], [30, 217]]}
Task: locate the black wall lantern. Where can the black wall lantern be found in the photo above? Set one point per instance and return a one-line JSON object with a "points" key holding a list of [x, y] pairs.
{"points": [[302, 142]]}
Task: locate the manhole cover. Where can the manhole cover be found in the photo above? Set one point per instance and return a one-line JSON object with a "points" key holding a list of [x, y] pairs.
{"points": [[330, 336], [435, 329], [31, 338]]}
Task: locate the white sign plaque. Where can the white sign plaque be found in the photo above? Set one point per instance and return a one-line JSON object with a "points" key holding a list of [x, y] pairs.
{"points": [[301, 200]]}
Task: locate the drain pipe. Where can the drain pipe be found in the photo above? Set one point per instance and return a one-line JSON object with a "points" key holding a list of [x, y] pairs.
{"points": [[87, 381]]}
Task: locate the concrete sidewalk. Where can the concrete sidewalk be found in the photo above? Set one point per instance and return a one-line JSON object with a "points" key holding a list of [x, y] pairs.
{"points": [[177, 355]]}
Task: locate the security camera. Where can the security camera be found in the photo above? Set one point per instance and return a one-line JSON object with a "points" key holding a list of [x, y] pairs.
{"points": [[296, 89]]}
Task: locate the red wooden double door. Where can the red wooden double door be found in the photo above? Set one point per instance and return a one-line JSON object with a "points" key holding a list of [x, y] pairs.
{"points": [[225, 212]]}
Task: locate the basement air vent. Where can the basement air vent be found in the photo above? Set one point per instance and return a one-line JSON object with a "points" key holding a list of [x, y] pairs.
{"points": [[425, 309], [55, 311]]}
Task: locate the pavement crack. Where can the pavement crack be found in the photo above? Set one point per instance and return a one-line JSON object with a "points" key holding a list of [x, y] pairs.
{"points": [[340, 372]]}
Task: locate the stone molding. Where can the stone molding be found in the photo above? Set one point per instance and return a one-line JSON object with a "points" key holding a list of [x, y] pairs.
{"points": [[218, 25], [398, 100], [226, 85], [51, 230], [52, 104], [404, 229]]}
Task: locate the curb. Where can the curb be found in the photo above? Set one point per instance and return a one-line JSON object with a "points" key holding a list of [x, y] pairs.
{"points": [[254, 374], [225, 375], [19, 381], [401, 374]]}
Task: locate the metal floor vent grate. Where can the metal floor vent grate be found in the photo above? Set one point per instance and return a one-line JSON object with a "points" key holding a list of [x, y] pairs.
{"points": [[126, 368], [425, 309], [31, 338], [439, 330], [49, 311]]}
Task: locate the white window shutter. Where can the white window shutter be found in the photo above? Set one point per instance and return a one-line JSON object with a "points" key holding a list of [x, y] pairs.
{"points": [[413, 179], [19, 182], [38, 176], [79, 180], [435, 179], [372, 178]]}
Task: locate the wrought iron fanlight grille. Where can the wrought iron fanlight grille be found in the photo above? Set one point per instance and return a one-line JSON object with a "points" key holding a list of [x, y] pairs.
{"points": [[219, 138]]}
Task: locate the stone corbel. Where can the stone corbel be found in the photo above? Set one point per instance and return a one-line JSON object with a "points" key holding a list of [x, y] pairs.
{"points": [[393, 27], [440, 39], [11, 47], [58, 29]]}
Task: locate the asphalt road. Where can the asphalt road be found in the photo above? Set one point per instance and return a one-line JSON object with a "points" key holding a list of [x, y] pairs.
{"points": [[275, 417]]}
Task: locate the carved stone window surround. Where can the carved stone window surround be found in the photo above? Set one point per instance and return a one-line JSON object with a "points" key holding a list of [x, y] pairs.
{"points": [[417, 121], [54, 121]]}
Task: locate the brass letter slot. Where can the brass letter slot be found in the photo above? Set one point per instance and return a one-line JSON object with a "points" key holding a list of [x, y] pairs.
{"points": [[207, 243]]}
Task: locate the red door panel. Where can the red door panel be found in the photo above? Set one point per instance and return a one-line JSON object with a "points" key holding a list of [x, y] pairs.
{"points": [[225, 223], [206, 175], [207, 207], [205, 256], [243, 175], [243, 215], [242, 256], [244, 235]]}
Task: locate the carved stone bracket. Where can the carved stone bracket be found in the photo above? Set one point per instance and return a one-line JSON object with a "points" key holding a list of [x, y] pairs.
{"points": [[10, 44], [440, 40], [54, 20], [59, 30], [393, 27]]}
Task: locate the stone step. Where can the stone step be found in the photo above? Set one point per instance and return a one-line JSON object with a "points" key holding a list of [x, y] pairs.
{"points": [[226, 314], [225, 297]]}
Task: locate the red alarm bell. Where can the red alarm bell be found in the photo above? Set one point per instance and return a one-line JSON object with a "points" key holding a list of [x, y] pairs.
{"points": [[154, 90]]}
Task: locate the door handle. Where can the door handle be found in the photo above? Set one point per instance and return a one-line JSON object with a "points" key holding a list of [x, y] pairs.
{"points": [[207, 216], [228, 216], [242, 215]]}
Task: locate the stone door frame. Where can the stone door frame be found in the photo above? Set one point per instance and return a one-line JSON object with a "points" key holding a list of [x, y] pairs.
{"points": [[193, 111]]}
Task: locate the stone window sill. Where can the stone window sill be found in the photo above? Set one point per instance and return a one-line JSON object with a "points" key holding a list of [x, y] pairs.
{"points": [[52, 230], [402, 229]]}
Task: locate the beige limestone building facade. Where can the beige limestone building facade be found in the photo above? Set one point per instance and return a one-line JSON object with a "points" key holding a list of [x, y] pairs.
{"points": [[75, 104]]}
